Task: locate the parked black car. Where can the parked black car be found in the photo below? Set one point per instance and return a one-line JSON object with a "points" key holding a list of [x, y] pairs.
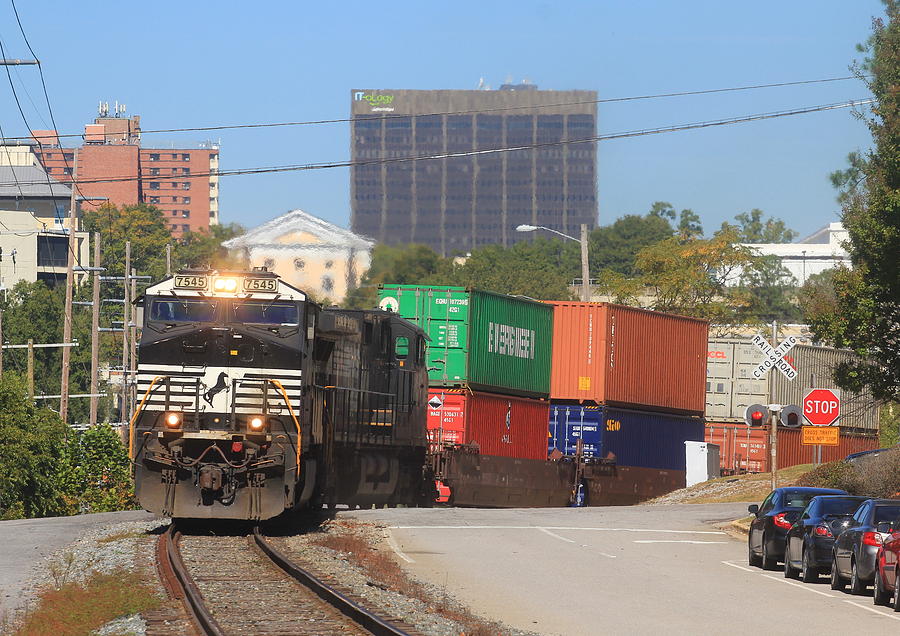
{"points": [[774, 517], [856, 547], [810, 540]]}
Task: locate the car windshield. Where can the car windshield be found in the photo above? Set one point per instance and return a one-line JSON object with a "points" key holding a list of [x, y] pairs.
{"points": [[887, 513], [797, 498], [838, 506], [182, 310], [266, 313]]}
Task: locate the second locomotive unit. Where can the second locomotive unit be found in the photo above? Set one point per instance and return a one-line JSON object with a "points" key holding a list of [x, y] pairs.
{"points": [[253, 400]]}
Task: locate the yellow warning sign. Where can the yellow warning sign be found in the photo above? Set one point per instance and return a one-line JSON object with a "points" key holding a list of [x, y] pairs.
{"points": [[820, 435], [584, 383]]}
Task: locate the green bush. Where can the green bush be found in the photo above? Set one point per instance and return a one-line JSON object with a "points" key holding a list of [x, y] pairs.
{"points": [[96, 472], [877, 476], [837, 474]]}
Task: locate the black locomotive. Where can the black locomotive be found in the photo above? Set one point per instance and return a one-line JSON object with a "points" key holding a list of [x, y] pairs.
{"points": [[253, 400]]}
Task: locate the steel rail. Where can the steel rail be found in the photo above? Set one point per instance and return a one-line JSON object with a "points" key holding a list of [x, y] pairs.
{"points": [[343, 604], [179, 581]]}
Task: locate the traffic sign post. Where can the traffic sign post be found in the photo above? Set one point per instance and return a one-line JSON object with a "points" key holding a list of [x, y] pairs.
{"points": [[822, 407]]}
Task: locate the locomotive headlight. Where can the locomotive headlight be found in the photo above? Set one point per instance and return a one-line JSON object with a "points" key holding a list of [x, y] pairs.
{"points": [[226, 284], [173, 420], [256, 423]]}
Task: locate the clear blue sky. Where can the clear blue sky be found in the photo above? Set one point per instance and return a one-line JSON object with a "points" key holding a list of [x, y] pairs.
{"points": [[191, 63]]}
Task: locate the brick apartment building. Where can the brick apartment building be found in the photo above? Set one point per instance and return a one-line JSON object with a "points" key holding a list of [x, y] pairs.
{"points": [[182, 183]]}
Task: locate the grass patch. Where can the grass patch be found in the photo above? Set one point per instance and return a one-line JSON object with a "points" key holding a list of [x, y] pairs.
{"points": [[118, 536], [736, 488], [77, 608], [384, 572]]}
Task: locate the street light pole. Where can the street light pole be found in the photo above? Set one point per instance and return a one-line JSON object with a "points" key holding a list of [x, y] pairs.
{"points": [[585, 269]]}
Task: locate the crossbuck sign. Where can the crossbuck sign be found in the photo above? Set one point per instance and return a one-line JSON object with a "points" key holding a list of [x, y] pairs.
{"points": [[774, 357]]}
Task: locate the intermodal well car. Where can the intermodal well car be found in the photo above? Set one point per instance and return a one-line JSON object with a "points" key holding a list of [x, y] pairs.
{"points": [[773, 518], [855, 548], [887, 564], [810, 540]]}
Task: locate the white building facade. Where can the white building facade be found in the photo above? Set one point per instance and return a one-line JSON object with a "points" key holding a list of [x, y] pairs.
{"points": [[818, 252]]}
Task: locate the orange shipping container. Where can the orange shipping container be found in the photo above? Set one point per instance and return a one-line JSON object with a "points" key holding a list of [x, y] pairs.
{"points": [[745, 448], [624, 356]]}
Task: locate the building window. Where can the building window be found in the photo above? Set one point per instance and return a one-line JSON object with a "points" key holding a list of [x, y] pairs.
{"points": [[49, 155], [154, 171], [49, 170], [68, 156], [186, 185], [154, 156], [185, 214], [213, 156], [52, 251], [174, 155], [67, 171], [327, 284], [154, 185], [299, 264], [185, 228], [174, 184], [212, 199], [269, 263], [185, 156], [154, 199], [186, 200], [185, 171], [329, 264]]}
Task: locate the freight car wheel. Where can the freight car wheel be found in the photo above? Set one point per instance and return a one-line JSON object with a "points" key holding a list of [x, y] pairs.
{"points": [[752, 558]]}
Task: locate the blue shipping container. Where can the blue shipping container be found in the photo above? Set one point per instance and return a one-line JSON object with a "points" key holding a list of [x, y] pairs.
{"points": [[632, 438], [568, 422]]}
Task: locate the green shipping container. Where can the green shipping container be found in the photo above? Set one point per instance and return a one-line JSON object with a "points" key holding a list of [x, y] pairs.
{"points": [[489, 342]]}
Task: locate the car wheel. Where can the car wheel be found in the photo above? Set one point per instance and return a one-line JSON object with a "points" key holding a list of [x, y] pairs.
{"points": [[857, 587], [837, 583], [752, 557], [808, 572], [768, 561], [881, 597], [896, 601], [790, 572]]}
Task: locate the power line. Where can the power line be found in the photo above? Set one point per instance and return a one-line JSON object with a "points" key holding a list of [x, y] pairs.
{"points": [[316, 122], [487, 151]]}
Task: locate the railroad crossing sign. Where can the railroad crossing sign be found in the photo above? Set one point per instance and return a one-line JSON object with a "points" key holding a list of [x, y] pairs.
{"points": [[774, 357], [822, 407]]}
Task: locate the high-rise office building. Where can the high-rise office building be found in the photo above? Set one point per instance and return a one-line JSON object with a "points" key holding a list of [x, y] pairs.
{"points": [[472, 197]]}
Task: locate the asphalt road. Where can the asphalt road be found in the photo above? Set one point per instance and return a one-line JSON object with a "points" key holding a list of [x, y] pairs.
{"points": [[617, 570]]}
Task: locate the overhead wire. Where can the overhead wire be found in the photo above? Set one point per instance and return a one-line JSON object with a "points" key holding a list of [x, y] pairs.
{"points": [[487, 151], [339, 120]]}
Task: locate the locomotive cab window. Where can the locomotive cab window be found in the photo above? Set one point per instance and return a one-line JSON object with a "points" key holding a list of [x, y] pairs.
{"points": [[182, 310], [266, 313], [401, 347]]}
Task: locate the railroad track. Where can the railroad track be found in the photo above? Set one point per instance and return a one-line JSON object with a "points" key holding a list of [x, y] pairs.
{"points": [[242, 584]]}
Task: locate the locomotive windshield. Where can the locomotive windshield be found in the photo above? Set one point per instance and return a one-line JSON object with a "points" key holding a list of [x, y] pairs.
{"points": [[183, 310], [266, 313]]}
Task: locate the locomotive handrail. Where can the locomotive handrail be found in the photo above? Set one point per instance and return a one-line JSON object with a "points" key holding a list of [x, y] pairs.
{"points": [[293, 417], [137, 412]]}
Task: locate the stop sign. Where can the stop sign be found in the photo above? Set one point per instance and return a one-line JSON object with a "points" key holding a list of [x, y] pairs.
{"points": [[822, 407]]}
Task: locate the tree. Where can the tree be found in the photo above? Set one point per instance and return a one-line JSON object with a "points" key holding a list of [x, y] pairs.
{"points": [[770, 287], [95, 472], [402, 264], [614, 247], [689, 225], [33, 441], [848, 180], [865, 313], [143, 225], [752, 229], [204, 249]]}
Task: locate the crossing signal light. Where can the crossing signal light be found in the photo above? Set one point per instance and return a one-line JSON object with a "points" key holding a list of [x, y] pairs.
{"points": [[756, 415], [791, 416]]}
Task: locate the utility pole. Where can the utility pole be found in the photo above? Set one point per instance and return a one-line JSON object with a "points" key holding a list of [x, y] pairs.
{"points": [[132, 342], [1, 343], [585, 269], [95, 331], [70, 282], [31, 368], [168, 259], [125, 347]]}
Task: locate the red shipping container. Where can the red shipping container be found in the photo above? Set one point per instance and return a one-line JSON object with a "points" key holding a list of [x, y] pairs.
{"points": [[624, 356], [745, 448], [501, 425]]}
